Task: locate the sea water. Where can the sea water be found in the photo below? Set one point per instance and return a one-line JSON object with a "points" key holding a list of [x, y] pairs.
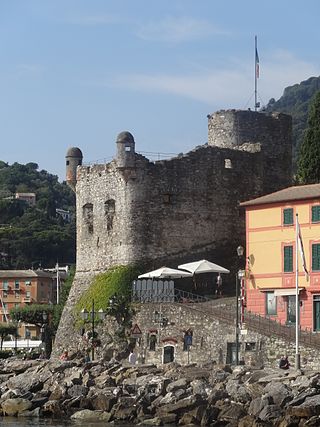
{"points": [[32, 422]]}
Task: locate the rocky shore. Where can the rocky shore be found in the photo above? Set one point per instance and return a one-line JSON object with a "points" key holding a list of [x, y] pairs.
{"points": [[215, 395]]}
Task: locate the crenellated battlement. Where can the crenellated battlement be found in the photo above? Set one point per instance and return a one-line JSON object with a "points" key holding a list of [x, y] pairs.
{"points": [[134, 210]]}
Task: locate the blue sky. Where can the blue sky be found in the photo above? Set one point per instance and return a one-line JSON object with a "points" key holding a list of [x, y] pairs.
{"points": [[78, 72]]}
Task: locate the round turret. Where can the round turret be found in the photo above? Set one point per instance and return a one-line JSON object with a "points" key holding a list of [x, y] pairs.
{"points": [[73, 160], [125, 150]]}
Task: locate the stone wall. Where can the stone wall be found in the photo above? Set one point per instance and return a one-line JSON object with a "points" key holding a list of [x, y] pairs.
{"points": [[212, 339], [179, 210], [185, 208]]}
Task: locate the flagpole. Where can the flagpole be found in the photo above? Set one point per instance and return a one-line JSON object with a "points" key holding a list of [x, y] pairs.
{"points": [[297, 356], [255, 73]]}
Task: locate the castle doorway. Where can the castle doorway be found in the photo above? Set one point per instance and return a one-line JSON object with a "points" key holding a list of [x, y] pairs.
{"points": [[168, 354]]}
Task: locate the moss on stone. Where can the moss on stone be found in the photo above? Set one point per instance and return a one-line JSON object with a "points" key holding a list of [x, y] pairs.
{"points": [[116, 280]]}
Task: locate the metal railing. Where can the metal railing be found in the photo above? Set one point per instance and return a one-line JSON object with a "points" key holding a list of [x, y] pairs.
{"points": [[167, 296], [260, 324], [226, 312]]}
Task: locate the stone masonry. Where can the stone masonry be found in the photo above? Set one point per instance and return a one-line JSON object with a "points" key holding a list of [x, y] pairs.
{"points": [[132, 210]]}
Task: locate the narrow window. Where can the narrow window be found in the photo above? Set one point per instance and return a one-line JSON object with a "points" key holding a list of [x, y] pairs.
{"points": [[227, 164], [288, 216], [167, 198], [288, 259], [67, 162], [109, 211], [153, 342], [5, 285], [187, 340], [17, 285], [316, 257], [271, 304], [87, 212], [315, 213]]}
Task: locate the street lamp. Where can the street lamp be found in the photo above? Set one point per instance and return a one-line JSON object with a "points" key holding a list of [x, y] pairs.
{"points": [[240, 252], [85, 317]]}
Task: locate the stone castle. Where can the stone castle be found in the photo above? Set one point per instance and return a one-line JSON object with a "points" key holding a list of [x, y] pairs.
{"points": [[132, 210]]}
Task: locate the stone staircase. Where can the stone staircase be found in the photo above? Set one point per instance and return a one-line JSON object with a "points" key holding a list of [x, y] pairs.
{"points": [[224, 309]]}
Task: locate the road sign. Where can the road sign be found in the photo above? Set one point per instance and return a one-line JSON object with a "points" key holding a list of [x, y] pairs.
{"points": [[136, 332]]}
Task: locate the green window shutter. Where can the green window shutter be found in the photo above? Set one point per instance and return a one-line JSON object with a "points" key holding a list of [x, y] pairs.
{"points": [[288, 259], [315, 214], [316, 257], [288, 216]]}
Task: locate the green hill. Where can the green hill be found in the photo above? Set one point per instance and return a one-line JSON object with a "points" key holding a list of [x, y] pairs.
{"points": [[295, 101], [34, 235]]}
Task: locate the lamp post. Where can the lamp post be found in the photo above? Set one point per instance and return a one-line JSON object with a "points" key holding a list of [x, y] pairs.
{"points": [[240, 251], [85, 317], [45, 334]]}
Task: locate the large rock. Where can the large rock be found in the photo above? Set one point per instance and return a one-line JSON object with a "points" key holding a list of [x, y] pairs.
{"points": [[73, 377], [257, 404], [35, 413], [103, 402], [53, 409], [26, 382], [200, 387], [180, 406], [87, 415], [182, 383], [309, 408], [77, 391], [237, 391], [280, 393], [301, 397], [231, 412], [14, 406], [270, 413]]}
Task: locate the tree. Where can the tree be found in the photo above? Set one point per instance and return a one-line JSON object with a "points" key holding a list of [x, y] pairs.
{"points": [[5, 330], [39, 315], [309, 156]]}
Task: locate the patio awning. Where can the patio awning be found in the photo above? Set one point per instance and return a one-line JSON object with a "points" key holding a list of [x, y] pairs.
{"points": [[284, 292]]}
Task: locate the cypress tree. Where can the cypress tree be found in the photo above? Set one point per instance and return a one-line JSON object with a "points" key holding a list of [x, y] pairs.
{"points": [[309, 156]]}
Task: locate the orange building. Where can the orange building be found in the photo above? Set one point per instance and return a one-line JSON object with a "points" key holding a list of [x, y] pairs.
{"points": [[271, 249], [21, 287]]}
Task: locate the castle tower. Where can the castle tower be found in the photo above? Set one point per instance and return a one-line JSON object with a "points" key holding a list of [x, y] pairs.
{"points": [[73, 160], [236, 128], [125, 150]]}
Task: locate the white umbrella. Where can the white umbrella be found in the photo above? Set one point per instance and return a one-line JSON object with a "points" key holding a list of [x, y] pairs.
{"points": [[165, 272], [203, 266]]}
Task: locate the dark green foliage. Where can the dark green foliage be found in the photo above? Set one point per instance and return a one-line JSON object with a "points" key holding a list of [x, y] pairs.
{"points": [[295, 101], [32, 313], [309, 157], [29, 234], [5, 330]]}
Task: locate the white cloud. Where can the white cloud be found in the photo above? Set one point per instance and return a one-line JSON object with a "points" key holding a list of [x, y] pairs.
{"points": [[231, 87], [177, 30]]}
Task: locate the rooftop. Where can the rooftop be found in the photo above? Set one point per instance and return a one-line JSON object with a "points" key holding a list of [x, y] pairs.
{"points": [[299, 192], [24, 273]]}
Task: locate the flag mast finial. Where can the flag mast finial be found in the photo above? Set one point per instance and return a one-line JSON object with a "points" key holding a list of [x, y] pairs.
{"points": [[256, 75]]}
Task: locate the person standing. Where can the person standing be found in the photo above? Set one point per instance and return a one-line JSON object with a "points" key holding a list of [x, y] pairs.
{"points": [[219, 285], [132, 358]]}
